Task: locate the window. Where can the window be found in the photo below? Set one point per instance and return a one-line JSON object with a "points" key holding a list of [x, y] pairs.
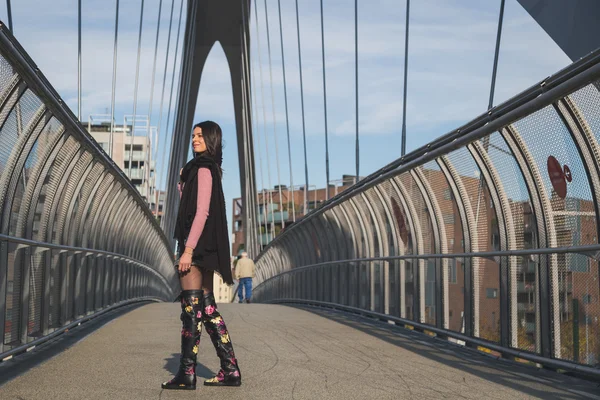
{"points": [[238, 226], [452, 271], [587, 298], [447, 194], [449, 219], [491, 293]]}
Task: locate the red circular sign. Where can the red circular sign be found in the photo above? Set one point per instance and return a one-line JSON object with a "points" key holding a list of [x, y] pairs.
{"points": [[557, 177]]}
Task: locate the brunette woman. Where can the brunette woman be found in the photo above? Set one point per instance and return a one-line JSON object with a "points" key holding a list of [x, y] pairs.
{"points": [[203, 248]]}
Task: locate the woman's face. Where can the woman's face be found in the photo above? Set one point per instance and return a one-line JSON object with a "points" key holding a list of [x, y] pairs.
{"points": [[198, 144]]}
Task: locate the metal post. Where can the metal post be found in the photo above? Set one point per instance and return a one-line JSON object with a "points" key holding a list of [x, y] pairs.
{"points": [[403, 152], [45, 323], [496, 54], [114, 86], [576, 331]]}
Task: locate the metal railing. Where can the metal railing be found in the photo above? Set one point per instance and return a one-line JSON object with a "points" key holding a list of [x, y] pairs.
{"points": [[76, 238], [488, 235]]}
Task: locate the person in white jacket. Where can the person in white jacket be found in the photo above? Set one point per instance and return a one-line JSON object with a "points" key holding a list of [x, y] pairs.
{"points": [[244, 271]]}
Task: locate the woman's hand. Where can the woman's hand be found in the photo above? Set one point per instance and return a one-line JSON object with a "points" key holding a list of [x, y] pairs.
{"points": [[185, 262]]}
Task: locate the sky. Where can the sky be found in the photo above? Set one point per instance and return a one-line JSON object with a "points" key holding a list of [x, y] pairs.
{"points": [[451, 50]]}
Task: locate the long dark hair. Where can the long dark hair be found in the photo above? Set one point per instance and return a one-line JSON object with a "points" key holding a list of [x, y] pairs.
{"points": [[213, 138]]}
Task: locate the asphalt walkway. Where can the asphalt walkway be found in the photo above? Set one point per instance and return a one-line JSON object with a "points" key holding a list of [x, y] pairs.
{"points": [[284, 353]]}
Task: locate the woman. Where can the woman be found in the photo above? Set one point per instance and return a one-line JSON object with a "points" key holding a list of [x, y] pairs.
{"points": [[203, 248]]}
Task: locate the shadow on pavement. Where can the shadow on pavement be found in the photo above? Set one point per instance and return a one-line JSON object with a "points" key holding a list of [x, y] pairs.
{"points": [[24, 362], [528, 380], [172, 365]]}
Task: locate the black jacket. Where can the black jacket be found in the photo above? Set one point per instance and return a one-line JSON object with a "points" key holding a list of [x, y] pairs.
{"points": [[212, 250]]}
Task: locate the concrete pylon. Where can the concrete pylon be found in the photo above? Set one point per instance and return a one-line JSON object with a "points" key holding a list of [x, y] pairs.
{"points": [[225, 21]]}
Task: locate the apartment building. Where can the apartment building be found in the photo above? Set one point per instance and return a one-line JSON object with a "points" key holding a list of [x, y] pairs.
{"points": [[133, 154]]}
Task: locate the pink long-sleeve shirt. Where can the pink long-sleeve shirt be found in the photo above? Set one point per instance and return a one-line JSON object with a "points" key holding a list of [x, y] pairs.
{"points": [[202, 206]]}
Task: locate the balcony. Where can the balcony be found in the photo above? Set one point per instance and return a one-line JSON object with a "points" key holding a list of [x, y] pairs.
{"points": [[143, 190], [137, 155], [526, 307], [135, 173], [523, 287], [265, 238], [275, 217]]}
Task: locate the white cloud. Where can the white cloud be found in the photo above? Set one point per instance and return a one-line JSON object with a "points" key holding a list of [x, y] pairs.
{"points": [[450, 64]]}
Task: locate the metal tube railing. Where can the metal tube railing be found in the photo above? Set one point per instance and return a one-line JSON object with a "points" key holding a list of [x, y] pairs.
{"points": [[486, 234], [76, 238]]}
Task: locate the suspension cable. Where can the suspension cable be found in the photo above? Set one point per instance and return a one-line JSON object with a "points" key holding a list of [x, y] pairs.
{"points": [[135, 94], [266, 137], [302, 105], [257, 147], [246, 86], [162, 98], [403, 150], [256, 138], [114, 86], [274, 119], [496, 54], [9, 12], [356, 85], [151, 101], [325, 104], [287, 119], [78, 60], [247, 227], [172, 82]]}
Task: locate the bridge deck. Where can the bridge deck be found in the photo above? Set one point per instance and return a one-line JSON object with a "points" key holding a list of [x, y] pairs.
{"points": [[284, 353]]}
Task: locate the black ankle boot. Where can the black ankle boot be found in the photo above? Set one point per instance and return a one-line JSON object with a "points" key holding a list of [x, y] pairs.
{"points": [[229, 375], [191, 318]]}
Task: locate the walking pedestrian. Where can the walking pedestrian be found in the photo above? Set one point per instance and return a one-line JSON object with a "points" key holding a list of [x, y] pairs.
{"points": [[244, 272]]}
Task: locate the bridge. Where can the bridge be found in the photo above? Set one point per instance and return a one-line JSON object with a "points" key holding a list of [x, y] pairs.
{"points": [[467, 267]]}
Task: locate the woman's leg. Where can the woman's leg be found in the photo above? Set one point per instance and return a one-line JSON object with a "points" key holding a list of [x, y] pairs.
{"points": [[191, 280], [229, 375], [207, 281], [191, 318]]}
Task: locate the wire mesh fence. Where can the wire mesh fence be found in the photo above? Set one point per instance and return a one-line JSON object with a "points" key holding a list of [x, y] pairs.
{"points": [[76, 237], [490, 232]]}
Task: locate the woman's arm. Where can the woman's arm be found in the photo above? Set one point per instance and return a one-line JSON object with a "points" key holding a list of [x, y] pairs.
{"points": [[202, 207]]}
